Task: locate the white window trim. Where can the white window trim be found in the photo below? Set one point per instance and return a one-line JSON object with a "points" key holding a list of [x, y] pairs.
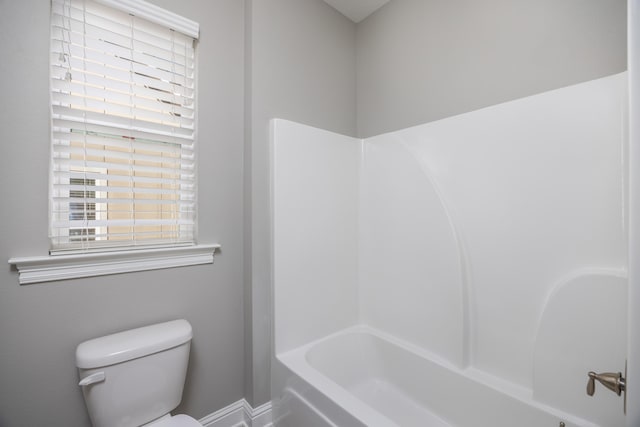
{"points": [[156, 14], [42, 269]]}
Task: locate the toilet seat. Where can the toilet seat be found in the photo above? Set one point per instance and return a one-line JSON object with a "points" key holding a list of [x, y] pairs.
{"points": [[177, 421]]}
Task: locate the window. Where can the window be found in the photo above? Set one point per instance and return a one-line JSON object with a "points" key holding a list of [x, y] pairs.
{"points": [[123, 126], [80, 211]]}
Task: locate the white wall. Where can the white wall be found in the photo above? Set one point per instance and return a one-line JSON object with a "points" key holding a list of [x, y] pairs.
{"points": [[41, 325], [633, 385], [423, 60]]}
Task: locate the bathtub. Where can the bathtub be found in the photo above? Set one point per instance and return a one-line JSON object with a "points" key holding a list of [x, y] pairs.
{"points": [[378, 380]]}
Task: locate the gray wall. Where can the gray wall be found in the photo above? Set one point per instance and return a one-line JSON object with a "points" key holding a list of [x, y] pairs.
{"points": [[302, 68], [422, 60], [40, 325]]}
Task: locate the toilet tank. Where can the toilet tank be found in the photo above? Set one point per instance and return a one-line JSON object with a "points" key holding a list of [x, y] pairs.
{"points": [[134, 377]]}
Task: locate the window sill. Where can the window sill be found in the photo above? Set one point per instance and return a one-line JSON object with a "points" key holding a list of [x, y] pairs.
{"points": [[61, 267]]}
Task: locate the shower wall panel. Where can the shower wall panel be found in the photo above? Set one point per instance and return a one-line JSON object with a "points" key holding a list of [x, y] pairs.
{"points": [[534, 191], [493, 241], [315, 193]]}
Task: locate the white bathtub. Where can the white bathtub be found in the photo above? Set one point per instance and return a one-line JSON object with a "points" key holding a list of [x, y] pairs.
{"points": [[382, 381]]}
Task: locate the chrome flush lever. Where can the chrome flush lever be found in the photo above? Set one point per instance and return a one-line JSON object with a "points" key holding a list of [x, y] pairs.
{"points": [[614, 382]]}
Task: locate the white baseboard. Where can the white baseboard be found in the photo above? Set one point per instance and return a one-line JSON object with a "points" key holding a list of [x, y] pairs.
{"points": [[239, 414], [260, 416]]}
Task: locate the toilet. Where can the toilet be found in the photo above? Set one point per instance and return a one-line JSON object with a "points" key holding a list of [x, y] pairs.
{"points": [[135, 378]]}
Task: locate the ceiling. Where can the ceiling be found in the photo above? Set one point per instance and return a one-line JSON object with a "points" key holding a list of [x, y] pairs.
{"points": [[357, 10]]}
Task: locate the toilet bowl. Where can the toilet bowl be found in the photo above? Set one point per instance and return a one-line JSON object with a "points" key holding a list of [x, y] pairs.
{"points": [[135, 378]]}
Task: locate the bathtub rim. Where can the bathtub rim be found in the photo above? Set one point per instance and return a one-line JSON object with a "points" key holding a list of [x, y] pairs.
{"points": [[296, 361]]}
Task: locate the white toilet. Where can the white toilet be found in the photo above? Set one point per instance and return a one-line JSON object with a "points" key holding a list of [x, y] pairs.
{"points": [[135, 378]]}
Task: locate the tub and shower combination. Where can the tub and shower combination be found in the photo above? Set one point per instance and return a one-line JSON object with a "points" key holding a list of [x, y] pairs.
{"points": [[453, 273]]}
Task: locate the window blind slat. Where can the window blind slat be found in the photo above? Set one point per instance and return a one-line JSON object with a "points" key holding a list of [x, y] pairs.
{"points": [[139, 112], [97, 239], [118, 98], [81, 70], [81, 164], [165, 53], [66, 175], [128, 230], [116, 142], [126, 189], [158, 158], [119, 200], [86, 80], [123, 130], [77, 115], [100, 63], [110, 245], [121, 223], [76, 126], [132, 211], [99, 50]]}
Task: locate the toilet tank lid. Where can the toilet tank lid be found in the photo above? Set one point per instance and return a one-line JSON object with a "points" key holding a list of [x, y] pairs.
{"points": [[131, 344]]}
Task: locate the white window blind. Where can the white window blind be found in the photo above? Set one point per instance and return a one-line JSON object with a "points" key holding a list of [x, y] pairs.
{"points": [[123, 129]]}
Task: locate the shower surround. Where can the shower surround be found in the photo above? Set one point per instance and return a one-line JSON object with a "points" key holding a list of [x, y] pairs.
{"points": [[461, 271]]}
